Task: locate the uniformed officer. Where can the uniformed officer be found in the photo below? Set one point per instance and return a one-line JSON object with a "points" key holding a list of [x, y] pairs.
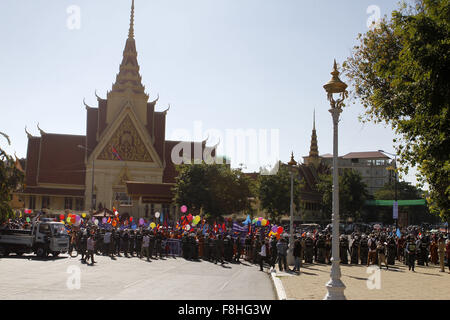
{"points": [[219, 249], [321, 249], [309, 250], [355, 250], [411, 249], [343, 249], [151, 245], [391, 251], [273, 251], [238, 244], [184, 246], [138, 240]]}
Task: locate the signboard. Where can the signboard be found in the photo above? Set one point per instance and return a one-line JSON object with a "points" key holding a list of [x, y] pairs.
{"points": [[395, 210]]}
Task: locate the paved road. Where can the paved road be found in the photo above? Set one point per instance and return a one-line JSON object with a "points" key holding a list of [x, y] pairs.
{"points": [[131, 278]]}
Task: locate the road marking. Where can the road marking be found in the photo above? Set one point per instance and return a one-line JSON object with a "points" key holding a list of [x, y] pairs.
{"points": [[231, 279], [132, 284]]}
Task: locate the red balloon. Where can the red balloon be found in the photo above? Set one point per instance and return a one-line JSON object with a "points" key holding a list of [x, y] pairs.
{"points": [[280, 230], [61, 217], [131, 219]]}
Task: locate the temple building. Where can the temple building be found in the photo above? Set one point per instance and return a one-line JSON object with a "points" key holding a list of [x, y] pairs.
{"points": [[123, 161]]}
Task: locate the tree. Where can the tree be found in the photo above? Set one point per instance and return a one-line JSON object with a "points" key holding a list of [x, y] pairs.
{"points": [[10, 179], [405, 191], [275, 193], [352, 194], [400, 72], [216, 189]]}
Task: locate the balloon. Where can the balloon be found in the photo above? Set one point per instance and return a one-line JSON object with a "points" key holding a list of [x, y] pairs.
{"points": [[77, 218], [131, 219], [62, 221], [152, 225], [68, 220], [188, 227], [114, 223], [104, 220], [263, 222], [190, 217], [83, 215], [258, 223], [77, 223], [133, 227], [274, 229], [157, 215], [96, 222], [183, 209], [280, 230], [141, 221], [116, 213], [61, 217], [28, 219]]}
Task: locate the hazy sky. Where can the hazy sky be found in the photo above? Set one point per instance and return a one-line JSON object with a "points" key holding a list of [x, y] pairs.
{"points": [[231, 64]]}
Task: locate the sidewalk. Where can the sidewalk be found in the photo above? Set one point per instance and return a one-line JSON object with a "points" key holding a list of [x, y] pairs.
{"points": [[397, 283]]}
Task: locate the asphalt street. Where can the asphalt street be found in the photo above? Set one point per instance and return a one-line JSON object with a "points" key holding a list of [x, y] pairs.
{"points": [[130, 278]]}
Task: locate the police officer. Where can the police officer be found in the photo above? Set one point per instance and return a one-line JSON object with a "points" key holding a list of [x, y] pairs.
{"points": [[411, 249], [273, 251], [184, 246], [139, 238], [151, 246], [212, 248], [309, 243], [391, 251], [158, 243], [321, 249], [131, 245], [343, 249], [238, 243], [355, 250], [206, 251], [363, 249], [83, 245], [117, 239], [424, 249], [228, 248], [125, 242], [328, 248], [219, 249]]}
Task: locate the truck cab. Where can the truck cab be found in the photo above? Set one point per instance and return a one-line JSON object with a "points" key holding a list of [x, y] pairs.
{"points": [[43, 238]]}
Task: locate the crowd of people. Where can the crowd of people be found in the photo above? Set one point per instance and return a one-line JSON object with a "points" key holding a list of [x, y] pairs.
{"points": [[382, 247]]}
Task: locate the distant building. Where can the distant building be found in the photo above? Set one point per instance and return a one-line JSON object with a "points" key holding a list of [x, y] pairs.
{"points": [[375, 168]]}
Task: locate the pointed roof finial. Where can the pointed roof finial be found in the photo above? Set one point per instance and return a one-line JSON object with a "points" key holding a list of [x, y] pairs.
{"points": [[131, 32], [335, 65], [292, 162], [314, 119]]}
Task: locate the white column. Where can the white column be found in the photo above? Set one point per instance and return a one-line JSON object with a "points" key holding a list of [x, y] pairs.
{"points": [[335, 286]]}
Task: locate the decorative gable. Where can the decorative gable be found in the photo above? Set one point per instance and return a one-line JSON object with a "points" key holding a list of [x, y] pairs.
{"points": [[126, 144]]}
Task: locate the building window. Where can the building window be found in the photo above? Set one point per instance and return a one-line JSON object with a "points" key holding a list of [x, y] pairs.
{"points": [[68, 203], [32, 202], [123, 198], [45, 202], [79, 204]]}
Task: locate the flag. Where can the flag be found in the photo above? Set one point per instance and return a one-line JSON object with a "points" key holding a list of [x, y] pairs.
{"points": [[238, 228], [224, 228], [115, 153]]}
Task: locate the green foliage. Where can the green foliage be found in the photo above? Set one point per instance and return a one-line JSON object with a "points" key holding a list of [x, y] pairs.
{"points": [[216, 189], [10, 179], [275, 193], [401, 74], [352, 194]]}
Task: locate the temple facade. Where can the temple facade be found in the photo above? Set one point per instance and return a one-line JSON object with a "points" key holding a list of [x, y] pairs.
{"points": [[123, 161]]}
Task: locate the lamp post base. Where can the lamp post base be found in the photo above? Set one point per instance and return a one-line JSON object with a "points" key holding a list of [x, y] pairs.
{"points": [[335, 286]]}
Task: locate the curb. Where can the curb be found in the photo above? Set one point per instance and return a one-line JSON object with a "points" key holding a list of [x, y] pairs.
{"points": [[279, 289]]}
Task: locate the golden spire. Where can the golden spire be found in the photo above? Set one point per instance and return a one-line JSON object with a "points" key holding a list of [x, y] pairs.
{"points": [[131, 31], [292, 162]]}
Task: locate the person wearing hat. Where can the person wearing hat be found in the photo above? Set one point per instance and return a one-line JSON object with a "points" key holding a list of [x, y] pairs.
{"points": [[344, 249], [411, 249], [441, 252], [354, 255]]}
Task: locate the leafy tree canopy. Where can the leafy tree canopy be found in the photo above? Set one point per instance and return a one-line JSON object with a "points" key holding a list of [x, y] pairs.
{"points": [[400, 71]]}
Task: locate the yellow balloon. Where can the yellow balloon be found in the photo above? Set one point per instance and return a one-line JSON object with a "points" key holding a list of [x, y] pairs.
{"points": [[152, 225], [62, 221], [83, 215]]}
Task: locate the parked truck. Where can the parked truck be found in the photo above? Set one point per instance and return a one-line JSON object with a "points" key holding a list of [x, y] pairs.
{"points": [[43, 238]]}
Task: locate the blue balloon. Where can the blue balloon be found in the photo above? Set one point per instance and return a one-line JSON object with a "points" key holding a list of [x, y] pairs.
{"points": [[258, 223], [133, 227]]}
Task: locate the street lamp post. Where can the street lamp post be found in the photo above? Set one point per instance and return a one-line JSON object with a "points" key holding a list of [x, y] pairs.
{"points": [[290, 257], [92, 186], [335, 286], [395, 182]]}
